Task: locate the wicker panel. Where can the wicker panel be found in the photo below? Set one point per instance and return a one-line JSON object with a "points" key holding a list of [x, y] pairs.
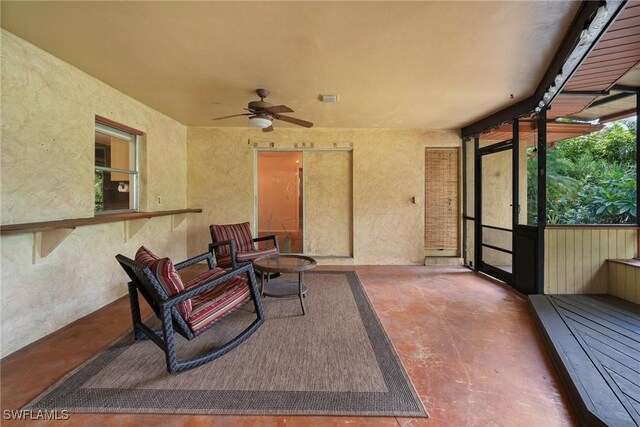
{"points": [[441, 199]]}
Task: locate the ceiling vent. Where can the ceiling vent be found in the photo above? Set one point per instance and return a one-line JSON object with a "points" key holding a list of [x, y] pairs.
{"points": [[329, 99]]}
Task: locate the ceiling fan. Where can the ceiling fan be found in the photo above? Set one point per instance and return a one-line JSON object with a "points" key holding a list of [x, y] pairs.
{"points": [[261, 113]]}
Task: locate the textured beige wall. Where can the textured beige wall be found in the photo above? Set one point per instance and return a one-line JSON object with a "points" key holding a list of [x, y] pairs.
{"points": [[388, 169], [48, 110], [328, 214], [77, 278]]}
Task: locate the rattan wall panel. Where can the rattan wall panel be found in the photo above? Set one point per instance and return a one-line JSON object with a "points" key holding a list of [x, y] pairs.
{"points": [[441, 199]]}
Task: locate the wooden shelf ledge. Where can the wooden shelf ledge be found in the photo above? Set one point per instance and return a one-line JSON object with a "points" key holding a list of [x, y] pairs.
{"points": [[71, 224], [632, 262]]}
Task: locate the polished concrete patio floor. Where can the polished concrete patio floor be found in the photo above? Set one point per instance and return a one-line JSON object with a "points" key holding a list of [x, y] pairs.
{"points": [[468, 343]]}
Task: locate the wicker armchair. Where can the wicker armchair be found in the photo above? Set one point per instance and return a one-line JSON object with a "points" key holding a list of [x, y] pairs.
{"points": [[188, 308], [233, 244]]}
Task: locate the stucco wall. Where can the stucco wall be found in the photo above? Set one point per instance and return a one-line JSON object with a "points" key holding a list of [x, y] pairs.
{"points": [[47, 157], [388, 169]]}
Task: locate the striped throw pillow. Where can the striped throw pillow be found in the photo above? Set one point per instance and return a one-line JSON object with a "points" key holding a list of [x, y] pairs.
{"points": [[145, 256], [166, 274]]}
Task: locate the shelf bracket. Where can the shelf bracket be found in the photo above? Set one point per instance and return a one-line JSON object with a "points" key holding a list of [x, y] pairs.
{"points": [[132, 226], [176, 220], [45, 242]]}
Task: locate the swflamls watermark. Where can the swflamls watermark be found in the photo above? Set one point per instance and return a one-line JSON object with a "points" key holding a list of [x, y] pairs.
{"points": [[29, 414]]}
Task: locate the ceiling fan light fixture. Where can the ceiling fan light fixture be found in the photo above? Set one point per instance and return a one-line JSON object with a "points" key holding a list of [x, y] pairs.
{"points": [[259, 122]]}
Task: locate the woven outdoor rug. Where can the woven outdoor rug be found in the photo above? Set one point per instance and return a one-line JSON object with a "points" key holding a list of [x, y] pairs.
{"points": [[336, 360]]}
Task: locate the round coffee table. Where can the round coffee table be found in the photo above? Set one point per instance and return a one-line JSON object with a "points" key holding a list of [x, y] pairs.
{"points": [[281, 288]]}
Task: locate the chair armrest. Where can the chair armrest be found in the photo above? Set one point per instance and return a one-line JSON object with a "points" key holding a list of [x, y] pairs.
{"points": [[196, 259], [271, 237], [207, 286], [233, 248]]}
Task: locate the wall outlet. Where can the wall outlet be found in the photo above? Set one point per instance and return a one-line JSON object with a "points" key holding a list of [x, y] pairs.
{"points": [[159, 201]]}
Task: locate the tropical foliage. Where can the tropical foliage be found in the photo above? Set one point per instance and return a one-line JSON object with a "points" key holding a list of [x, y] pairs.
{"points": [[98, 190], [591, 179]]}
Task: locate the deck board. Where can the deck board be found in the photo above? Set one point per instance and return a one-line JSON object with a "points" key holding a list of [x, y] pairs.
{"points": [[594, 341], [601, 305], [612, 305], [623, 354]]}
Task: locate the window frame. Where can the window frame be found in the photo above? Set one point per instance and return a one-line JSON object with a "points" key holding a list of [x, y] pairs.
{"points": [[110, 128], [635, 224]]}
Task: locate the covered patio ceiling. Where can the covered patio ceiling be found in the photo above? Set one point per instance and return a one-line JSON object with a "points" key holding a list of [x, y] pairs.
{"points": [[421, 65], [609, 75], [601, 90]]}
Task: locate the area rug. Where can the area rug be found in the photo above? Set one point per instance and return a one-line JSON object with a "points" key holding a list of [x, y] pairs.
{"points": [[335, 360]]}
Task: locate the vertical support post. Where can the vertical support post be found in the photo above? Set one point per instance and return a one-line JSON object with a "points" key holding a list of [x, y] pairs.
{"points": [[542, 200], [637, 172], [515, 193], [464, 199], [477, 183]]}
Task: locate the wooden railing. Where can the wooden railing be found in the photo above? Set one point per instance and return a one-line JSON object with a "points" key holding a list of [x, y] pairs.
{"points": [[576, 256]]}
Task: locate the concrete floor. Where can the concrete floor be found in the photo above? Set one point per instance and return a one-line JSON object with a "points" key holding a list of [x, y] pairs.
{"points": [[468, 343]]}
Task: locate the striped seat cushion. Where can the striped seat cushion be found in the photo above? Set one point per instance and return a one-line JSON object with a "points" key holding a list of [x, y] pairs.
{"points": [[205, 277], [241, 233], [219, 301], [248, 256], [255, 254], [167, 276]]}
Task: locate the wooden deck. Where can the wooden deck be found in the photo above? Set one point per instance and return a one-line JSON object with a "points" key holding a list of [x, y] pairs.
{"points": [[594, 341]]}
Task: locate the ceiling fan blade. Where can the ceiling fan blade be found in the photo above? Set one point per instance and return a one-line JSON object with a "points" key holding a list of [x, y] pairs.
{"points": [[279, 109], [293, 120], [228, 117], [269, 129]]}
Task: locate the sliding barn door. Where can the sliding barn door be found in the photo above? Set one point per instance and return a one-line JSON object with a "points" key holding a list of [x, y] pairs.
{"points": [[305, 198], [328, 194], [442, 196]]}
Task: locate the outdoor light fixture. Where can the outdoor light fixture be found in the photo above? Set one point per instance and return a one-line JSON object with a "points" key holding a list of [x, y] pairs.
{"points": [[558, 79], [601, 14], [259, 122], [584, 35]]}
